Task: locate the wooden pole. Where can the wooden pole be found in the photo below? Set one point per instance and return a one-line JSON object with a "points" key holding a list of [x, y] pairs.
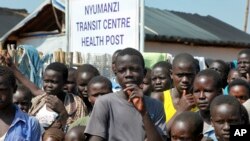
{"points": [[246, 16]]}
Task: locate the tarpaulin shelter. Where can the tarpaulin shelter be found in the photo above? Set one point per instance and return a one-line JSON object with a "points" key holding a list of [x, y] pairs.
{"points": [[44, 28]]}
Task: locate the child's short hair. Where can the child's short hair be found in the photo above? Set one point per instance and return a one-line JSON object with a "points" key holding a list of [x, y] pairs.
{"points": [[101, 79], [244, 115], [26, 91], [71, 70], [215, 76], [240, 82], [55, 133], [184, 57], [115, 54], [8, 75], [79, 130], [59, 67], [162, 64], [224, 64], [88, 68], [244, 51], [132, 51], [191, 118], [224, 99]]}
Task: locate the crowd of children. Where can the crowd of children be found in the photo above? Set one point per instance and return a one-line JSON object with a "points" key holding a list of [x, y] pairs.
{"points": [[171, 101]]}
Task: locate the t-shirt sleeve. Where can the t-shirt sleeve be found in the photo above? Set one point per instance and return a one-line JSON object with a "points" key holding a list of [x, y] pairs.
{"points": [[98, 122], [157, 114], [160, 122]]}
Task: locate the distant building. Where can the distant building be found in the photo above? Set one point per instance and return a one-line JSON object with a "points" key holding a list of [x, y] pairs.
{"points": [[175, 32]]}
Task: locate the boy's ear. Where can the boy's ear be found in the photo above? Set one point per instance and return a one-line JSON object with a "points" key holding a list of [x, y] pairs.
{"points": [[114, 71]]}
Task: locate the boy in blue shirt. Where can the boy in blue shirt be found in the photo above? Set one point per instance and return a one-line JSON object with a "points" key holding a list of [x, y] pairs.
{"points": [[15, 124]]}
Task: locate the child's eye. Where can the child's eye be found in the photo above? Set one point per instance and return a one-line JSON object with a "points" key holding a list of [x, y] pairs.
{"points": [[219, 121], [153, 78], [121, 70], [163, 77], [234, 122], [196, 91], [174, 137], [179, 75], [208, 91]]}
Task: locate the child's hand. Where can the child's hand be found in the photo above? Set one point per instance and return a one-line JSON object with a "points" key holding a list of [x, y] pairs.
{"points": [[135, 95], [5, 59], [8, 60], [246, 78], [187, 102], [55, 104]]}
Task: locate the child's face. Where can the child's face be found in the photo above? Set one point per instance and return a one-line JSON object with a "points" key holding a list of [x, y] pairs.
{"points": [[183, 76], [219, 68], [244, 64], [97, 89], [21, 100], [222, 116], [160, 79], [82, 81], [129, 70], [204, 91], [53, 82], [232, 76], [70, 86], [6, 93], [239, 92], [182, 131]]}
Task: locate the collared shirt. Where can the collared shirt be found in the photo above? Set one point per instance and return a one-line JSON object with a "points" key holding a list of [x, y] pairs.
{"points": [[23, 128], [210, 133]]}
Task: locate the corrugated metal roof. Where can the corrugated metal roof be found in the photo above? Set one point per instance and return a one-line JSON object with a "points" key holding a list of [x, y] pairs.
{"points": [[9, 18], [170, 26], [160, 25]]}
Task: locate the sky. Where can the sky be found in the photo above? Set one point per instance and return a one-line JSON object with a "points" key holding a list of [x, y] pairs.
{"points": [[229, 11]]}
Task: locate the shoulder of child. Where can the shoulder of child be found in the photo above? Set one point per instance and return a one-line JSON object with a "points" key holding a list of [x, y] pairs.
{"points": [[38, 98]]}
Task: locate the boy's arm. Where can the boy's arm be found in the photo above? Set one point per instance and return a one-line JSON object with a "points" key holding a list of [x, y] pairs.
{"points": [[26, 82], [151, 132], [21, 78]]}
